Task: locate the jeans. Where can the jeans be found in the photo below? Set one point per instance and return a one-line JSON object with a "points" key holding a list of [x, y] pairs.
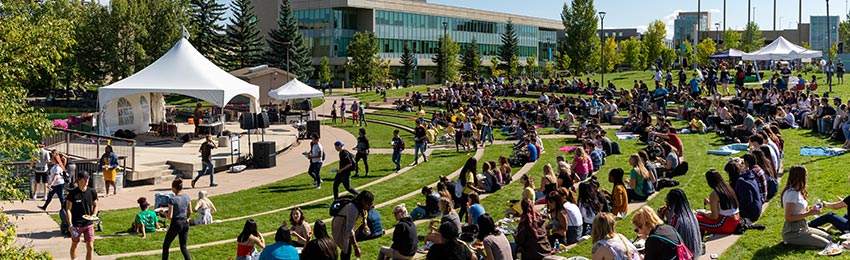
{"points": [[59, 190], [345, 180], [179, 227], [315, 171], [837, 221], [420, 213], [487, 134], [662, 105], [419, 147], [846, 129], [362, 119], [365, 157], [397, 159], [206, 169], [824, 125]]}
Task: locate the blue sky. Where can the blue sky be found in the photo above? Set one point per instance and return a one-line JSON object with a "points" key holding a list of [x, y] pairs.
{"points": [[638, 13]]}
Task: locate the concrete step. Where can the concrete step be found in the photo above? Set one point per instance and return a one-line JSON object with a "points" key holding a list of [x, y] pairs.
{"points": [[149, 172], [165, 179]]}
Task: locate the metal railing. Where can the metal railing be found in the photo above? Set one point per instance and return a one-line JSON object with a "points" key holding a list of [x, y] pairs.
{"points": [[85, 146]]}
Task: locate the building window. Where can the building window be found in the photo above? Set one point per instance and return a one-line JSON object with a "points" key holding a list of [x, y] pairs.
{"points": [[125, 112]]}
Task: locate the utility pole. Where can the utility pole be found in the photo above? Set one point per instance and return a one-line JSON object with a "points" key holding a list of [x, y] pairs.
{"points": [[800, 22], [749, 3], [602, 49], [724, 19], [828, 45], [699, 16], [445, 46], [774, 17]]}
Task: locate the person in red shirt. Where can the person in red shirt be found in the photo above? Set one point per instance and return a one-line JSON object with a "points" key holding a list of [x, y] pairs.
{"points": [[672, 138]]}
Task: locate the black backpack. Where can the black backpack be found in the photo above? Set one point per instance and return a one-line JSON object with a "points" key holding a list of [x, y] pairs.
{"points": [[354, 166], [338, 204]]}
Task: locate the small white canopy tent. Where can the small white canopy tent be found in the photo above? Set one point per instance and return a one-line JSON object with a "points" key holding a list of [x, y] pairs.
{"points": [[781, 49], [182, 70], [295, 89]]}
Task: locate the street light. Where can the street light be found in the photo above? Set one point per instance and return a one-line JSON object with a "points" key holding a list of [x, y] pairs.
{"points": [[602, 44], [445, 61], [717, 32], [828, 46]]}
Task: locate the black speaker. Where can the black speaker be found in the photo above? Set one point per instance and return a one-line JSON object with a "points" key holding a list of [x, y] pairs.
{"points": [[313, 127], [247, 121], [262, 120], [264, 154]]}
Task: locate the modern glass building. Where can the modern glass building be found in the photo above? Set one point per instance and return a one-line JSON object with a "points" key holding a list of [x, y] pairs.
{"points": [[818, 32], [683, 26], [329, 26]]}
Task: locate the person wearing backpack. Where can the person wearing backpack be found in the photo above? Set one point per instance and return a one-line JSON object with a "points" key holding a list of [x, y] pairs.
{"points": [[343, 174], [351, 217], [640, 180], [398, 146], [662, 240]]}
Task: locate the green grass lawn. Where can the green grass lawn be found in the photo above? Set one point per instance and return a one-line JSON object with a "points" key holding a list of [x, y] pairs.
{"points": [[411, 180], [371, 96], [379, 135]]}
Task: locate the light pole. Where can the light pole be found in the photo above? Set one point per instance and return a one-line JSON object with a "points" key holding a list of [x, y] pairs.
{"points": [[717, 32], [746, 29], [828, 46], [602, 44], [444, 47]]}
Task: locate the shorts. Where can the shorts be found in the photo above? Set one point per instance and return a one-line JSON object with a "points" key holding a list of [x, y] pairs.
{"points": [[40, 177], [86, 232]]}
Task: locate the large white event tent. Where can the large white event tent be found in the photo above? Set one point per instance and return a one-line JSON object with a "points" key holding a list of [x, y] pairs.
{"points": [[781, 49], [136, 101], [295, 89]]}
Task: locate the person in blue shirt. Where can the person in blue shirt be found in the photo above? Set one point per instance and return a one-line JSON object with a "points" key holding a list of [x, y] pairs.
{"points": [[597, 156], [660, 97], [694, 83], [282, 248], [375, 230], [532, 151], [475, 209]]}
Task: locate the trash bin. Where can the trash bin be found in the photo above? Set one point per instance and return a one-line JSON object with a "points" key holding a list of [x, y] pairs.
{"points": [[119, 181], [97, 183], [223, 141]]}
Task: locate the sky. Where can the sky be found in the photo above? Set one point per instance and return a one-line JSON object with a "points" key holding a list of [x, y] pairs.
{"points": [[639, 13]]}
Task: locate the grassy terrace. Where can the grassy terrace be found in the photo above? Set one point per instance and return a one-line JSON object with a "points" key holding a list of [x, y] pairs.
{"points": [[379, 135], [416, 177]]}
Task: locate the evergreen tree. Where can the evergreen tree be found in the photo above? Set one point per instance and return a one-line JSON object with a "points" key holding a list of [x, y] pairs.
{"points": [[206, 30], [363, 51], [510, 44], [580, 23], [288, 38], [243, 40], [408, 62], [470, 60]]}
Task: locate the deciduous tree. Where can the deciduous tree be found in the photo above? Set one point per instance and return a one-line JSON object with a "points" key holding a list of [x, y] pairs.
{"points": [[325, 71], [632, 54], [447, 60], [580, 23], [612, 57], [363, 51], [705, 48], [653, 41], [531, 66], [753, 39], [731, 39]]}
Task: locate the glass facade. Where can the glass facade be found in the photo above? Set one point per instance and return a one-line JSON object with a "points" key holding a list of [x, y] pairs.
{"points": [[329, 31], [818, 32], [683, 26]]}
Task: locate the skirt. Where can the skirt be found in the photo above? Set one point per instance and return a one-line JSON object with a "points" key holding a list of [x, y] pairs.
{"points": [[109, 174]]}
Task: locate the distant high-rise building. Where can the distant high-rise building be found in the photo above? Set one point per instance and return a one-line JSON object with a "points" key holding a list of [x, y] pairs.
{"points": [[683, 26], [818, 32], [620, 34]]}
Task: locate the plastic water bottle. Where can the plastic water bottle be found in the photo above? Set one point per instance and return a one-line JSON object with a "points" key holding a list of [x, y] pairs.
{"points": [[74, 232], [557, 246]]}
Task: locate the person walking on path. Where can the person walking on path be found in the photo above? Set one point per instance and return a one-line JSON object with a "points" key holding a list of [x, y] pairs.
{"points": [[108, 163], [206, 153], [362, 149], [361, 110], [56, 182], [342, 108], [82, 207], [354, 113], [179, 210], [343, 174], [41, 170], [316, 155], [348, 220], [398, 146], [419, 138]]}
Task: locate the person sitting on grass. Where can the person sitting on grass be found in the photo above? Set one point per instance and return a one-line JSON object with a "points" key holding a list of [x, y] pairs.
{"points": [[404, 237], [640, 180], [431, 208], [373, 228], [204, 207], [300, 227], [796, 232], [661, 239], [745, 185], [452, 248], [246, 241], [449, 215], [678, 213], [723, 217], [619, 195], [322, 246], [146, 221], [607, 243], [530, 237], [282, 248], [496, 245], [838, 222]]}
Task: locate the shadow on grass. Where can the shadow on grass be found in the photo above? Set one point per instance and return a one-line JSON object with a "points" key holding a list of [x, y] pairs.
{"points": [[779, 250], [288, 188]]}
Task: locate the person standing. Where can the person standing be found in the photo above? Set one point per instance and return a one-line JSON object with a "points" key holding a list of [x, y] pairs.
{"points": [[316, 156], [342, 108], [206, 153], [839, 71], [419, 138], [56, 183], [179, 210], [108, 163], [361, 112], [398, 146], [333, 112], [362, 149], [81, 206], [349, 219], [41, 169], [354, 113], [196, 117], [343, 174]]}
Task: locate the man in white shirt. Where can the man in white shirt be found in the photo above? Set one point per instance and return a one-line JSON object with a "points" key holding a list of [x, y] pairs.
{"points": [[40, 168], [316, 157]]}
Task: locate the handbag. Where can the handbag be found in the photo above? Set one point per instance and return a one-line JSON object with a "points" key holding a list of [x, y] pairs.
{"points": [[682, 251]]}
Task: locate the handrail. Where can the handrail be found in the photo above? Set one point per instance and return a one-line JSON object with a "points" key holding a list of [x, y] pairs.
{"points": [[93, 134]]}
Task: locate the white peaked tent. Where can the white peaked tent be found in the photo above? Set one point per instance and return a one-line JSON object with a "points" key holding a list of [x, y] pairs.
{"points": [[295, 89], [136, 101], [781, 49]]}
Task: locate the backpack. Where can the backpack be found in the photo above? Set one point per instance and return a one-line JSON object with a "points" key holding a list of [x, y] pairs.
{"points": [[354, 166], [615, 148], [648, 188], [772, 187], [683, 252], [338, 204]]}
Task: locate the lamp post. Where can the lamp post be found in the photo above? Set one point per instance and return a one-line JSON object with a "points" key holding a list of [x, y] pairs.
{"points": [[444, 42], [602, 44], [828, 46], [717, 32]]}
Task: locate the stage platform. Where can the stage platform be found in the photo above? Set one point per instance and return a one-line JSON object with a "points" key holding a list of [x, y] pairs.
{"points": [[161, 159]]}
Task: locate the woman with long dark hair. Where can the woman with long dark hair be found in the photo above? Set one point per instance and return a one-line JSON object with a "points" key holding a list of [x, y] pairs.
{"points": [[723, 217], [247, 240], [179, 209], [451, 248], [530, 236], [467, 180], [345, 222], [679, 214], [362, 152], [796, 232], [322, 246], [300, 227], [557, 218], [496, 245], [588, 205], [619, 195]]}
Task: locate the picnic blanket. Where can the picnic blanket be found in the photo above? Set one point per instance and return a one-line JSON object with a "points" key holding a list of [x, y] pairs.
{"points": [[730, 149], [823, 151], [626, 136], [567, 149]]}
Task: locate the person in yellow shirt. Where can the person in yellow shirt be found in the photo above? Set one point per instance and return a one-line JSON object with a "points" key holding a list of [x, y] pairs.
{"points": [[696, 125]]}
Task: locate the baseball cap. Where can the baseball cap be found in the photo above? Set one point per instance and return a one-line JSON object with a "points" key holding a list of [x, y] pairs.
{"points": [[339, 143]]}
